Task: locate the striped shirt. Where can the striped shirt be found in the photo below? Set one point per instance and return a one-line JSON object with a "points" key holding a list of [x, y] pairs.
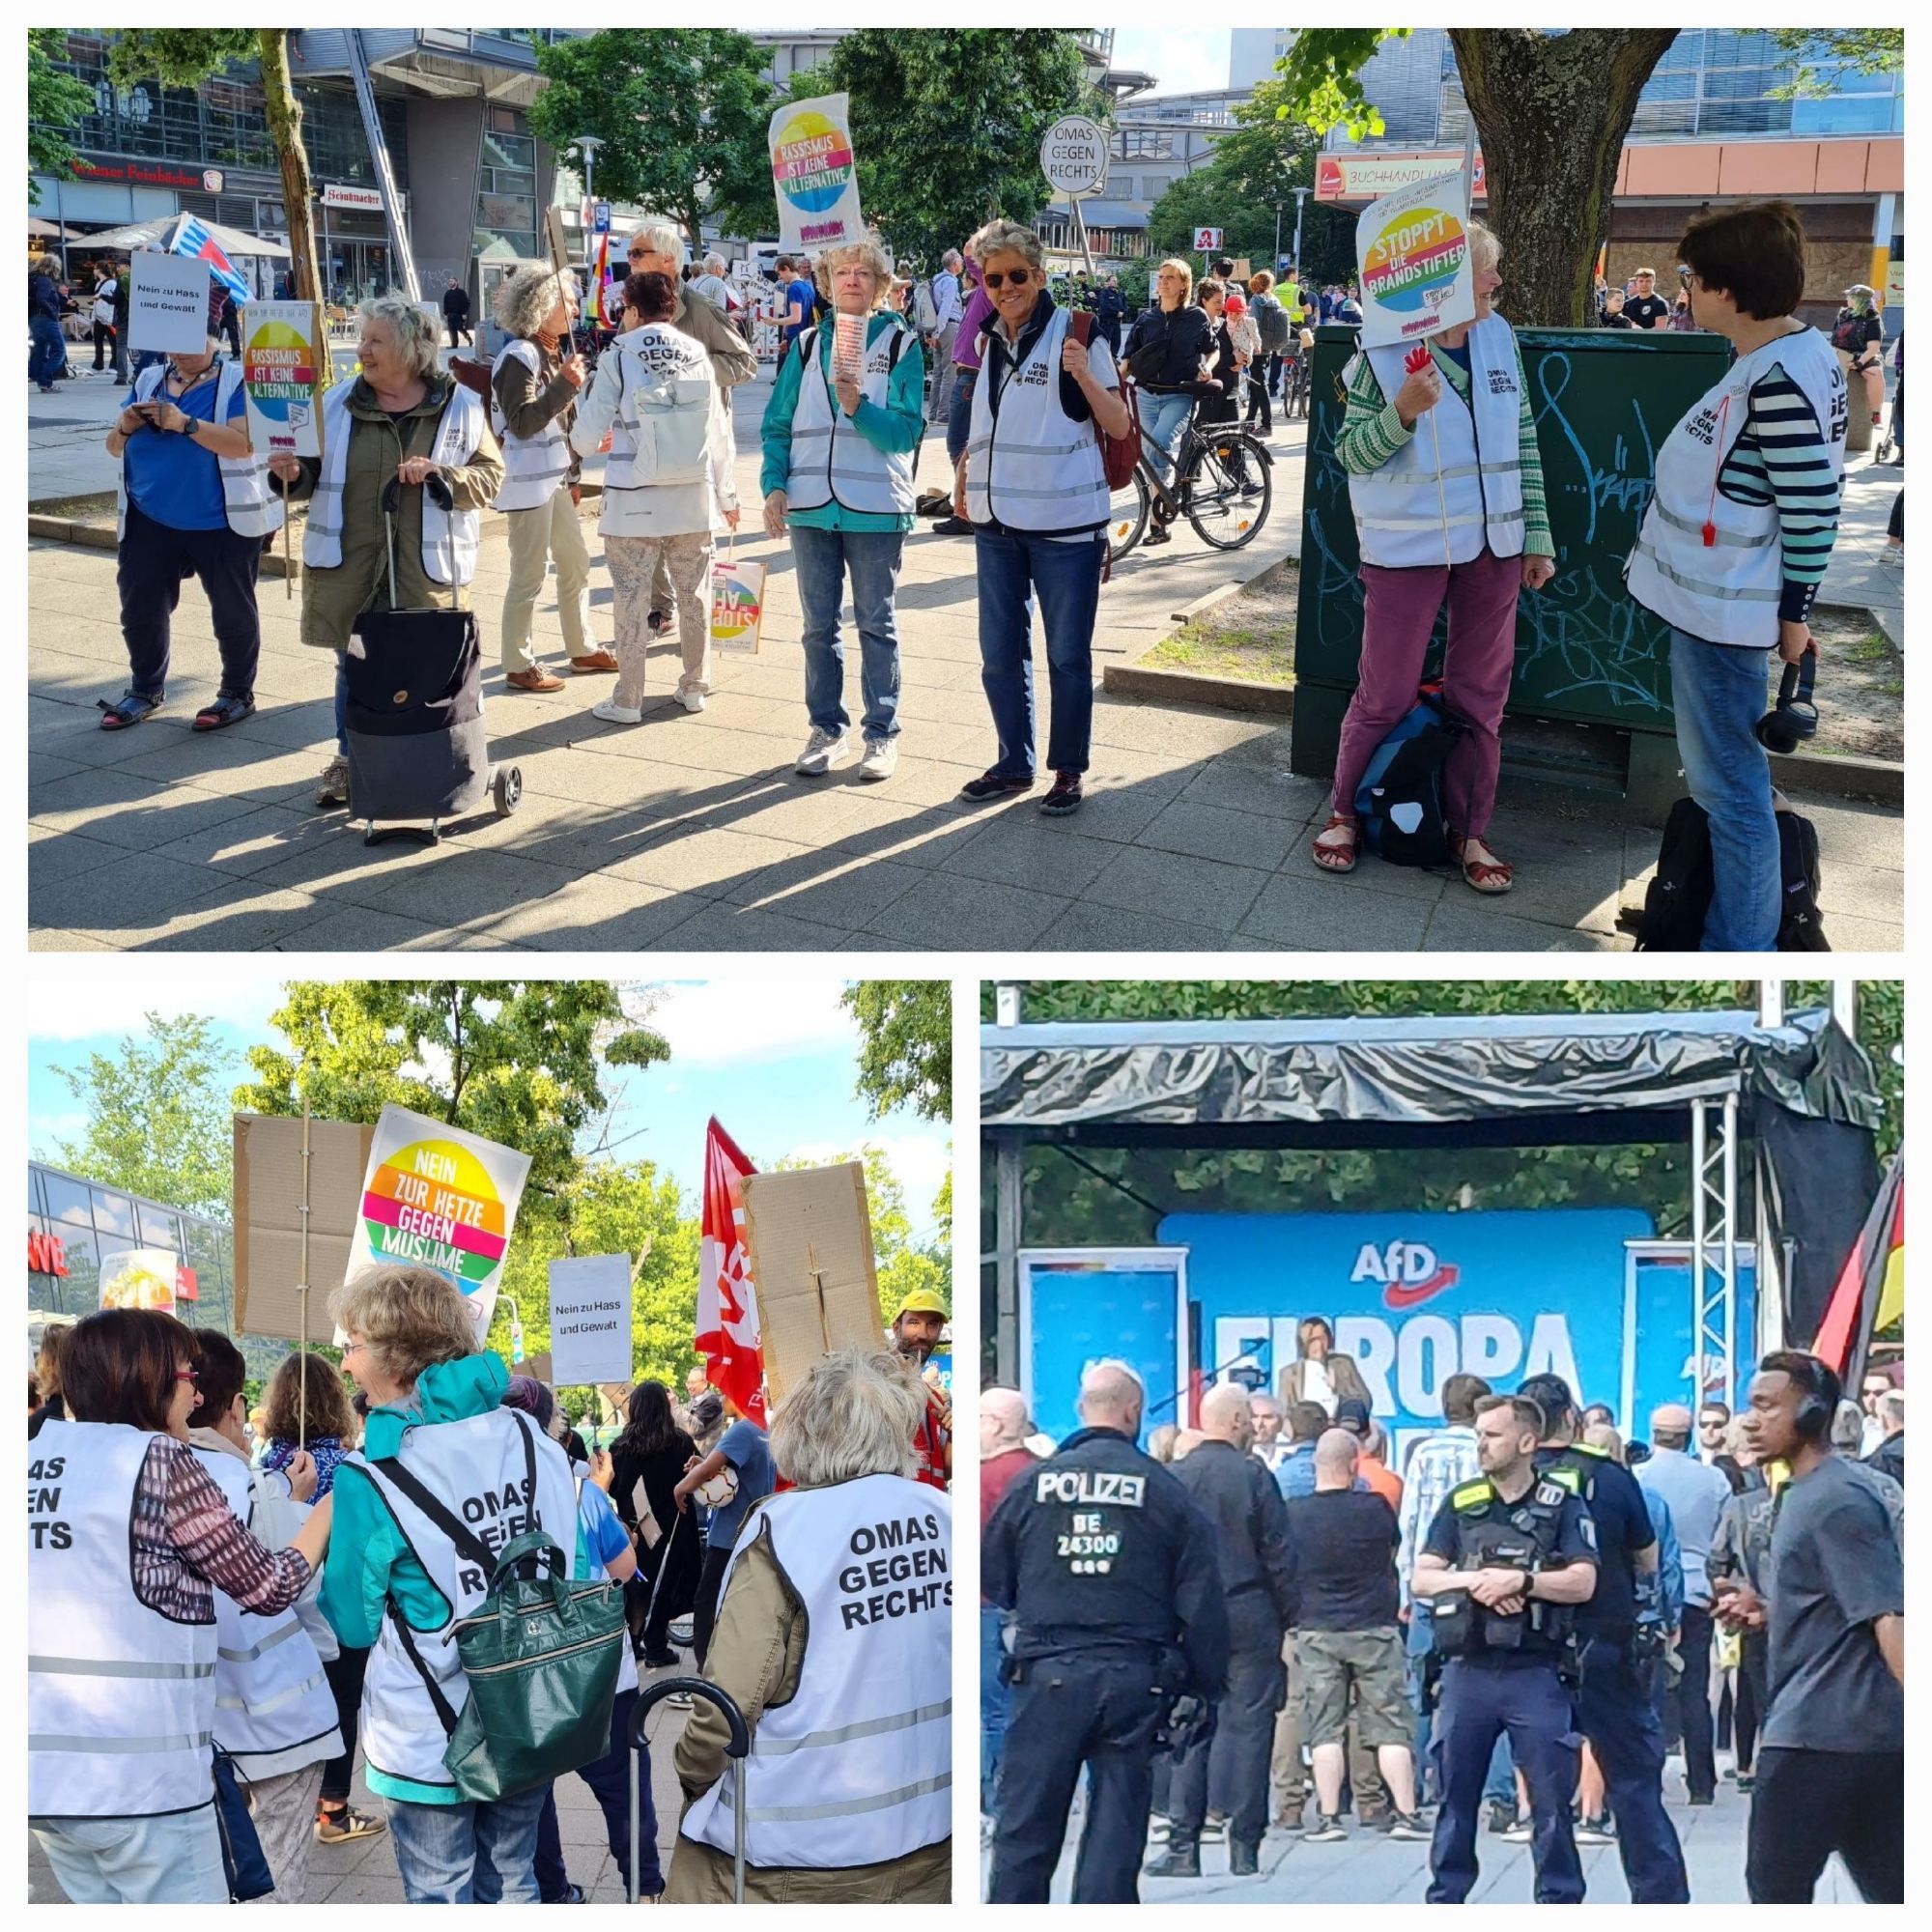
{"points": [[1784, 458], [185, 1543], [1438, 1465], [1371, 433]]}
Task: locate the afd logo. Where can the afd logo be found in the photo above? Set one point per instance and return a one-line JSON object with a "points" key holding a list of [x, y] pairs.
{"points": [[1410, 1271]]}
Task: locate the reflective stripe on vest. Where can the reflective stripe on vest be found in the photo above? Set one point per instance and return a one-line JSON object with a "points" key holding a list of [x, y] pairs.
{"points": [[120, 1698], [1728, 591], [1456, 484], [831, 459], [449, 540], [252, 508], [274, 1710], [1028, 465], [854, 1769], [475, 1468], [535, 467]]}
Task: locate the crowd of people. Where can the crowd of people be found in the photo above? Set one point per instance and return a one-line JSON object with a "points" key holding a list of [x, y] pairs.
{"points": [[228, 1608], [1262, 1619]]}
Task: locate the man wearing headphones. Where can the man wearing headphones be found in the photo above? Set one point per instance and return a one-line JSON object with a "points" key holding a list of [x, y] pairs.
{"points": [[1831, 1763]]}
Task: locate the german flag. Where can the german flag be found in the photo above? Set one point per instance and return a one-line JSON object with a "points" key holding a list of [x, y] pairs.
{"points": [[1871, 1293]]}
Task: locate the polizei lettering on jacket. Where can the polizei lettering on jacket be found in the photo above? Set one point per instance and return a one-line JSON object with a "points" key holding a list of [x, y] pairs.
{"points": [[496, 1516], [898, 1569], [1090, 1486]]}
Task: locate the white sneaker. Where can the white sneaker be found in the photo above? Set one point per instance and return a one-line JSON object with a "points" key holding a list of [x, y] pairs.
{"points": [[692, 700], [824, 752], [881, 759], [614, 713]]}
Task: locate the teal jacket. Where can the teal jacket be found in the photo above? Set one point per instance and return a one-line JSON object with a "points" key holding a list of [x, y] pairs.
{"points": [[892, 429], [369, 1563]]}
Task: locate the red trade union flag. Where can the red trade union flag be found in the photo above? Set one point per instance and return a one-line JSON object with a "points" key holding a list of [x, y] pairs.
{"points": [[729, 1336]]}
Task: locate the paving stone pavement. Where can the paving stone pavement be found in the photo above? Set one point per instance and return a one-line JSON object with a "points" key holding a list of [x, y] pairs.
{"points": [[364, 1871], [693, 833]]}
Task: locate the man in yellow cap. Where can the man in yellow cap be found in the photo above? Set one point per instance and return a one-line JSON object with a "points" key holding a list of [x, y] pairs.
{"points": [[917, 1328]]}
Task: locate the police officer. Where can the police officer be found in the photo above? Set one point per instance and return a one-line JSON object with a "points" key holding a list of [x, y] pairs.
{"points": [[1505, 1556], [1614, 1708], [1111, 1576]]}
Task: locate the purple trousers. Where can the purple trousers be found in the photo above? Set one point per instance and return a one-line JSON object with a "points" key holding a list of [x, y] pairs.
{"points": [[1397, 617]]}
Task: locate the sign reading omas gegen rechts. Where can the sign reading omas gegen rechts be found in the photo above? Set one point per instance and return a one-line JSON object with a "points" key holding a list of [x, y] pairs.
{"points": [[1073, 155]]}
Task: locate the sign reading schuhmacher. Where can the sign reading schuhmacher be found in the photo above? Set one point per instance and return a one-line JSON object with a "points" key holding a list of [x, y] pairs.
{"points": [[814, 174], [439, 1198]]}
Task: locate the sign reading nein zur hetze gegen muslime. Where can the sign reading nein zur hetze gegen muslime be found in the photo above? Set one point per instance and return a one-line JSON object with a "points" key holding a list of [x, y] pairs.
{"points": [[814, 174], [439, 1198]]}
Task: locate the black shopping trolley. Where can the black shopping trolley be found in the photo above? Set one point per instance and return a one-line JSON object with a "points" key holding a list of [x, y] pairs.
{"points": [[738, 1745]]}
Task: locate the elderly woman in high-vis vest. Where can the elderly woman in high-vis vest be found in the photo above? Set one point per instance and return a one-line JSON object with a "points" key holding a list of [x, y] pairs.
{"points": [[1448, 507], [402, 420], [533, 387], [834, 1639]]}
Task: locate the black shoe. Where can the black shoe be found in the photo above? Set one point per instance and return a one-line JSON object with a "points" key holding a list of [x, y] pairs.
{"points": [[1158, 533], [1065, 796], [1245, 1860], [655, 1660], [992, 785], [1697, 1804], [1501, 1817], [1179, 1860], [952, 527], [1412, 1828], [1325, 1831]]}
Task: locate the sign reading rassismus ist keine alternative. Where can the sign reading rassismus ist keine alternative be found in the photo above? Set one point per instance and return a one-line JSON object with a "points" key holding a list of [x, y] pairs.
{"points": [[815, 175]]}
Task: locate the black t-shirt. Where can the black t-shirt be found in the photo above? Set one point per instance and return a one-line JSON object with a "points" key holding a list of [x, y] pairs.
{"points": [[1618, 320], [1166, 346], [1341, 1552], [1646, 311], [1616, 1504]]}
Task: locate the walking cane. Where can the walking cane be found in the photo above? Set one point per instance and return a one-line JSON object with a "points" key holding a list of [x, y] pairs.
{"points": [[737, 1747]]}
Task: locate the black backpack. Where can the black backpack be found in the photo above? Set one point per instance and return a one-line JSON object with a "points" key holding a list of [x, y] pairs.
{"points": [[1398, 801], [1271, 323], [1678, 898]]}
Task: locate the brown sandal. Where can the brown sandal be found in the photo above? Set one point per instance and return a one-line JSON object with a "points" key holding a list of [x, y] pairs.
{"points": [[1333, 855], [1490, 876]]}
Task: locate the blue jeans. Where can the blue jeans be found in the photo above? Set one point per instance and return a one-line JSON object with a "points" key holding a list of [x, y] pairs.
{"points": [[172, 1860], [960, 415], [995, 1705], [823, 559], [609, 1780], [1719, 691], [1162, 420], [468, 1854], [47, 358], [1013, 566]]}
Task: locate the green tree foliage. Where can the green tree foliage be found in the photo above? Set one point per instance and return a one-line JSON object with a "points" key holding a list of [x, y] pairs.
{"points": [[178, 56], [1067, 1201], [1322, 78], [158, 1117], [947, 124], [1815, 52], [681, 113], [55, 101], [905, 1052]]}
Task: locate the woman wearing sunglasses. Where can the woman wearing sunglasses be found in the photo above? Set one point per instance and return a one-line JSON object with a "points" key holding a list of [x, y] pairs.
{"points": [[1033, 483], [128, 1537]]}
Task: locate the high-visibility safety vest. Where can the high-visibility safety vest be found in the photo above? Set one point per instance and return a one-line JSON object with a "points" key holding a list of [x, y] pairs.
{"points": [[1456, 484], [476, 1468], [274, 1710], [254, 510], [857, 1767], [120, 1698], [450, 538], [661, 430], [1028, 465], [1726, 591], [535, 467], [831, 460]]}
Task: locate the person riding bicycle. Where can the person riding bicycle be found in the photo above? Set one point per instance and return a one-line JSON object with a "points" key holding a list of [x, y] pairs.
{"points": [[1166, 351]]}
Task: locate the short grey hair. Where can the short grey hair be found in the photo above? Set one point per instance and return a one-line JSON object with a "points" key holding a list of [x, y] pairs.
{"points": [[416, 334], [867, 253], [662, 238], [525, 297], [950, 260], [714, 265], [1002, 237], [854, 1414], [1484, 247], [1891, 1406]]}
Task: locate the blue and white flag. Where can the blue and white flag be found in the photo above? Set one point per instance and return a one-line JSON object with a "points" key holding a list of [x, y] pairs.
{"points": [[192, 239]]}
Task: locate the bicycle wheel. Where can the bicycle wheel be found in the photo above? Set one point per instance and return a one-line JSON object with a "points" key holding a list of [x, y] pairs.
{"points": [[1127, 517], [1223, 517]]}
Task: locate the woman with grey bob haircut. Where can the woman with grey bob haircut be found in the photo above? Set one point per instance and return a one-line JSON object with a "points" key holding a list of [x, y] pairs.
{"points": [[854, 1415], [414, 328]]}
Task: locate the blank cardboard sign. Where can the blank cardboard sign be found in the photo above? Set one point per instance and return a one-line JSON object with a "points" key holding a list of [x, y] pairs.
{"points": [[267, 1220], [809, 1237]]}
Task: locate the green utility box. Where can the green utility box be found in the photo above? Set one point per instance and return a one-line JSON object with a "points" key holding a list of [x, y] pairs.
{"points": [[1591, 694]]}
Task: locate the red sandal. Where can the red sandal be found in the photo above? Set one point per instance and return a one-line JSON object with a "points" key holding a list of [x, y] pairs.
{"points": [[1335, 856], [1490, 876]]}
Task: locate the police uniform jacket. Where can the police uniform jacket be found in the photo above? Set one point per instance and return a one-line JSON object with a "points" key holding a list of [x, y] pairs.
{"points": [[1245, 1511], [1100, 1546], [1475, 1520]]}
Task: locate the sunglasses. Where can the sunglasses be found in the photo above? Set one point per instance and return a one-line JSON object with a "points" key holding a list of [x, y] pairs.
{"points": [[1018, 277]]}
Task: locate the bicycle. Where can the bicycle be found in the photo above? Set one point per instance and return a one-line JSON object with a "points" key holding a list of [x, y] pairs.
{"points": [[1207, 490], [1295, 385]]}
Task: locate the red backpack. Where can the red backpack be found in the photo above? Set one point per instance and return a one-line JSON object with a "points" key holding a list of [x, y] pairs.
{"points": [[1119, 454]]}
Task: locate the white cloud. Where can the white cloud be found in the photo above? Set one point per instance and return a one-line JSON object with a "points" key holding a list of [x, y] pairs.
{"points": [[718, 1021], [1186, 60], [81, 1006]]}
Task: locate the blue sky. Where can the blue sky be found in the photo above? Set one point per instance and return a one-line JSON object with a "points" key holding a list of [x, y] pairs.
{"points": [[1184, 60], [773, 1058]]}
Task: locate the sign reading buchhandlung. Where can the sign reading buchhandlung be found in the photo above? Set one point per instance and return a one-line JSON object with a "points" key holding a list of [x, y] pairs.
{"points": [[281, 356], [1413, 251], [814, 174], [167, 304], [589, 1320], [439, 1198]]}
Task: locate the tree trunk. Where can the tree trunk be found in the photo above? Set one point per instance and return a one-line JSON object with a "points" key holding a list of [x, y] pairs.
{"points": [[284, 113], [1551, 111]]}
